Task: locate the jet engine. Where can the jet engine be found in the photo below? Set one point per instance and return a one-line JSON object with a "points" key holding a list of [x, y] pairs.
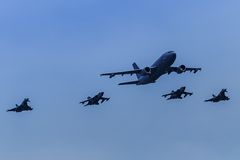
{"points": [[147, 70], [181, 69]]}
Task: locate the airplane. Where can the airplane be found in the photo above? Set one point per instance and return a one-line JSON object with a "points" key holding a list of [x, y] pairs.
{"points": [[23, 107], [177, 94], [95, 100], [149, 75], [220, 97]]}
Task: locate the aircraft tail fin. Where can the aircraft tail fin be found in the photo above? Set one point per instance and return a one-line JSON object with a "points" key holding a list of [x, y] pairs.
{"points": [[135, 66], [127, 83]]}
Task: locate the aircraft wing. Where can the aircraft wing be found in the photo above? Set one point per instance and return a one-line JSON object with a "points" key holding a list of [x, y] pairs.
{"points": [[12, 110], [183, 69], [165, 95], [210, 100], [194, 70], [103, 99], [84, 101], [111, 75], [187, 93]]}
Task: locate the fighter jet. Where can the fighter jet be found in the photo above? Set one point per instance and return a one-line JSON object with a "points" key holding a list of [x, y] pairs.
{"points": [[23, 107], [150, 74], [95, 100], [220, 97], [177, 94]]}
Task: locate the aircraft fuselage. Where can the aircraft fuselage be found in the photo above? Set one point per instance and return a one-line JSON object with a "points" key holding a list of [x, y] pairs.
{"points": [[162, 65]]}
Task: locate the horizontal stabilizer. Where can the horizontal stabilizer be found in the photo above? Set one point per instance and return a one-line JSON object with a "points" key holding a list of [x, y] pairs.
{"points": [[127, 83]]}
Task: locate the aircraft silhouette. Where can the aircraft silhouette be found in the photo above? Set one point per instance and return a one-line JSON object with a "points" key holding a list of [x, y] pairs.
{"points": [[177, 94], [151, 74], [95, 100], [23, 107], [220, 97]]}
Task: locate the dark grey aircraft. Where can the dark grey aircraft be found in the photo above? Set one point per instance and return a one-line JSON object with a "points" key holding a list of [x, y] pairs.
{"points": [[151, 74], [220, 97], [95, 100], [178, 94], [23, 107]]}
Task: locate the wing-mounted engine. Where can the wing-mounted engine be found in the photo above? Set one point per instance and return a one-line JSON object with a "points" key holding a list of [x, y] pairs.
{"points": [[181, 69], [178, 70], [147, 71]]}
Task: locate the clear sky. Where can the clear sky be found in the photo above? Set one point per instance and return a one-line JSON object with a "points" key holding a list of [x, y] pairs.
{"points": [[53, 52]]}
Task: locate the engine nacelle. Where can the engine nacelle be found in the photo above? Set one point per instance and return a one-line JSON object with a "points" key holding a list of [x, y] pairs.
{"points": [[147, 70], [181, 69]]}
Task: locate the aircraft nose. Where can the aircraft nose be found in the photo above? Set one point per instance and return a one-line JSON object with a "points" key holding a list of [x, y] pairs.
{"points": [[173, 55]]}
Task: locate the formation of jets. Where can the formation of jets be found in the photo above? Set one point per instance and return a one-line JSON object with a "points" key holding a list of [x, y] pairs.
{"points": [[146, 75]]}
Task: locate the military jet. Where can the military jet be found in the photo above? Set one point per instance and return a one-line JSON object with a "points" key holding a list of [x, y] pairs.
{"points": [[220, 97], [23, 107], [177, 94], [150, 74], [95, 100]]}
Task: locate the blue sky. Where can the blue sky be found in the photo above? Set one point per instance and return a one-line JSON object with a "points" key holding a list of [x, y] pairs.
{"points": [[53, 53]]}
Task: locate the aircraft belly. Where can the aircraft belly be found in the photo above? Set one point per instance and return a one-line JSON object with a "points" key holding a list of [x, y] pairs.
{"points": [[162, 66], [160, 71], [145, 80]]}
